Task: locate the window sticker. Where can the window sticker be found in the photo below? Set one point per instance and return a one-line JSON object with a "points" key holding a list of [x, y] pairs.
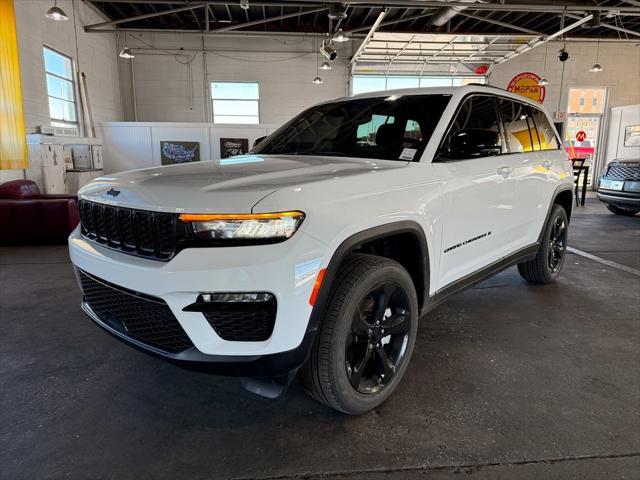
{"points": [[408, 153]]}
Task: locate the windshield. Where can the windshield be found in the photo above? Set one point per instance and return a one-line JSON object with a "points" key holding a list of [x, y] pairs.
{"points": [[386, 128]]}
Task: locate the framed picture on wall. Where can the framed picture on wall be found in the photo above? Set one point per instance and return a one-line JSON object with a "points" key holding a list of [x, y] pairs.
{"points": [[230, 147], [632, 136], [172, 152]]}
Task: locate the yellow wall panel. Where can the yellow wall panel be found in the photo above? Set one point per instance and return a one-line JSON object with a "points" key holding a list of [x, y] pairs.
{"points": [[13, 142]]}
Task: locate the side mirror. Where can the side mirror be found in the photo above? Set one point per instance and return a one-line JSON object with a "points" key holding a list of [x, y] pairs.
{"points": [[258, 140], [473, 143]]}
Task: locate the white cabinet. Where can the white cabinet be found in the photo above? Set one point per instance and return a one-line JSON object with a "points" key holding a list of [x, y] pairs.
{"points": [[51, 158], [76, 179]]}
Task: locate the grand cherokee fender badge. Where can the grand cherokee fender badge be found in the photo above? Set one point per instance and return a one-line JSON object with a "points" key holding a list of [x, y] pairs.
{"points": [[113, 192], [462, 244]]}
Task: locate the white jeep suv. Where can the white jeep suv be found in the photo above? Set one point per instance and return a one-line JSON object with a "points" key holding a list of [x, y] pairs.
{"points": [[318, 252]]}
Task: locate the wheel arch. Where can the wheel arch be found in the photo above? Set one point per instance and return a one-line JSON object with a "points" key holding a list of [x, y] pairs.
{"points": [[406, 233], [563, 196]]}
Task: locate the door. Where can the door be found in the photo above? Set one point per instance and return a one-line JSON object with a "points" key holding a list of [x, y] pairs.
{"points": [[585, 109], [533, 147], [478, 191]]}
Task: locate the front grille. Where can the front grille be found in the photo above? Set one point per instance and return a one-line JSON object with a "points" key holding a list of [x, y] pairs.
{"points": [[623, 171], [138, 316], [242, 322], [140, 232]]}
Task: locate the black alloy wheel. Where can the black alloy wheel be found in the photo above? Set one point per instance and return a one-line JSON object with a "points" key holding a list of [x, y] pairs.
{"points": [[547, 264], [557, 243], [366, 337], [377, 343]]}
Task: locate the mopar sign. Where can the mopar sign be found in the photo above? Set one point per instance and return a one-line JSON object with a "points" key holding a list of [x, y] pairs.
{"points": [[526, 84]]}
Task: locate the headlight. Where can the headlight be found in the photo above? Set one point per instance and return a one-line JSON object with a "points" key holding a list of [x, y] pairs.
{"points": [[244, 227]]}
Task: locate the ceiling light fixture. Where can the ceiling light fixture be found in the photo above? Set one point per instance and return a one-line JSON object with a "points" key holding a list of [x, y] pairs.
{"points": [[543, 82], [126, 51], [341, 36], [596, 66], [325, 66], [318, 80], [244, 4], [56, 13], [337, 12], [328, 51]]}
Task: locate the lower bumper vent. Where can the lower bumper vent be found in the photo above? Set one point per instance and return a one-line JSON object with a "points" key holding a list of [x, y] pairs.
{"points": [[144, 318], [242, 322]]}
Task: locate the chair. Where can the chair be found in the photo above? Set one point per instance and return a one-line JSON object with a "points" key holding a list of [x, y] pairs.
{"points": [[29, 218], [578, 169]]}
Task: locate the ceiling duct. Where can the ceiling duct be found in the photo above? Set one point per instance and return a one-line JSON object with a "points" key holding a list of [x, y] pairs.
{"points": [[443, 15]]}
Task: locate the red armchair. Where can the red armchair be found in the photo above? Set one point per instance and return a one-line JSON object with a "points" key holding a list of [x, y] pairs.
{"points": [[27, 217]]}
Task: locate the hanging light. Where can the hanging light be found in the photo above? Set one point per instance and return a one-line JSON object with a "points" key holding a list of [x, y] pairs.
{"points": [[56, 13], [543, 82], [596, 66], [325, 66], [340, 36], [126, 51], [318, 80]]}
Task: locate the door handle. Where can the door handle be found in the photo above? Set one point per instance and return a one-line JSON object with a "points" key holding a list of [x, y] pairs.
{"points": [[505, 171]]}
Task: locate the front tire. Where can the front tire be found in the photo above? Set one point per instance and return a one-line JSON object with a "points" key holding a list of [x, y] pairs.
{"points": [[547, 264], [366, 336], [626, 211]]}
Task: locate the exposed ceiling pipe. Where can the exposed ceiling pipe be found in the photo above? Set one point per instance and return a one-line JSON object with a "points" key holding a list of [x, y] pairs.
{"points": [[443, 15]]}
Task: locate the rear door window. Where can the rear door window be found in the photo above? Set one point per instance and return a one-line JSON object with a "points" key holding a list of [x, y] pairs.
{"points": [[519, 127], [546, 133]]}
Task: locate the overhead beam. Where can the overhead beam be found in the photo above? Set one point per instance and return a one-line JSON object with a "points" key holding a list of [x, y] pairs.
{"points": [[541, 6], [611, 27], [143, 17], [390, 22], [267, 20], [498, 23], [542, 40]]}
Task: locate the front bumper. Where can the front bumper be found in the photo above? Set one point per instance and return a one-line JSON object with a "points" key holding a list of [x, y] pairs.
{"points": [[287, 270], [619, 198]]}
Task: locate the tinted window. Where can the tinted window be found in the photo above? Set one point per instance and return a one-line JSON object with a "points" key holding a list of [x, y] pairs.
{"points": [[476, 118], [548, 139], [387, 128], [519, 128]]}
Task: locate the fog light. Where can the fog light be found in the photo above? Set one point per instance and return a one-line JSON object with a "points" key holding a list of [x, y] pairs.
{"points": [[234, 297], [631, 187]]}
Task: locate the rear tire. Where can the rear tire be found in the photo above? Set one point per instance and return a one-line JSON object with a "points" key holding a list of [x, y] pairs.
{"points": [[366, 337], [547, 264], [626, 211]]}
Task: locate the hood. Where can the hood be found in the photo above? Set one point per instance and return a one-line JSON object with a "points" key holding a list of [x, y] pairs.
{"points": [[231, 185]]}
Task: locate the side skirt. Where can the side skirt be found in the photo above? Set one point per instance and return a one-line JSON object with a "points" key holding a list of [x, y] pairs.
{"points": [[522, 255]]}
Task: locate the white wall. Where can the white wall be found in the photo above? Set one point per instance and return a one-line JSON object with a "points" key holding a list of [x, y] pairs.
{"points": [[131, 145], [96, 56], [622, 117], [284, 67], [621, 63]]}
